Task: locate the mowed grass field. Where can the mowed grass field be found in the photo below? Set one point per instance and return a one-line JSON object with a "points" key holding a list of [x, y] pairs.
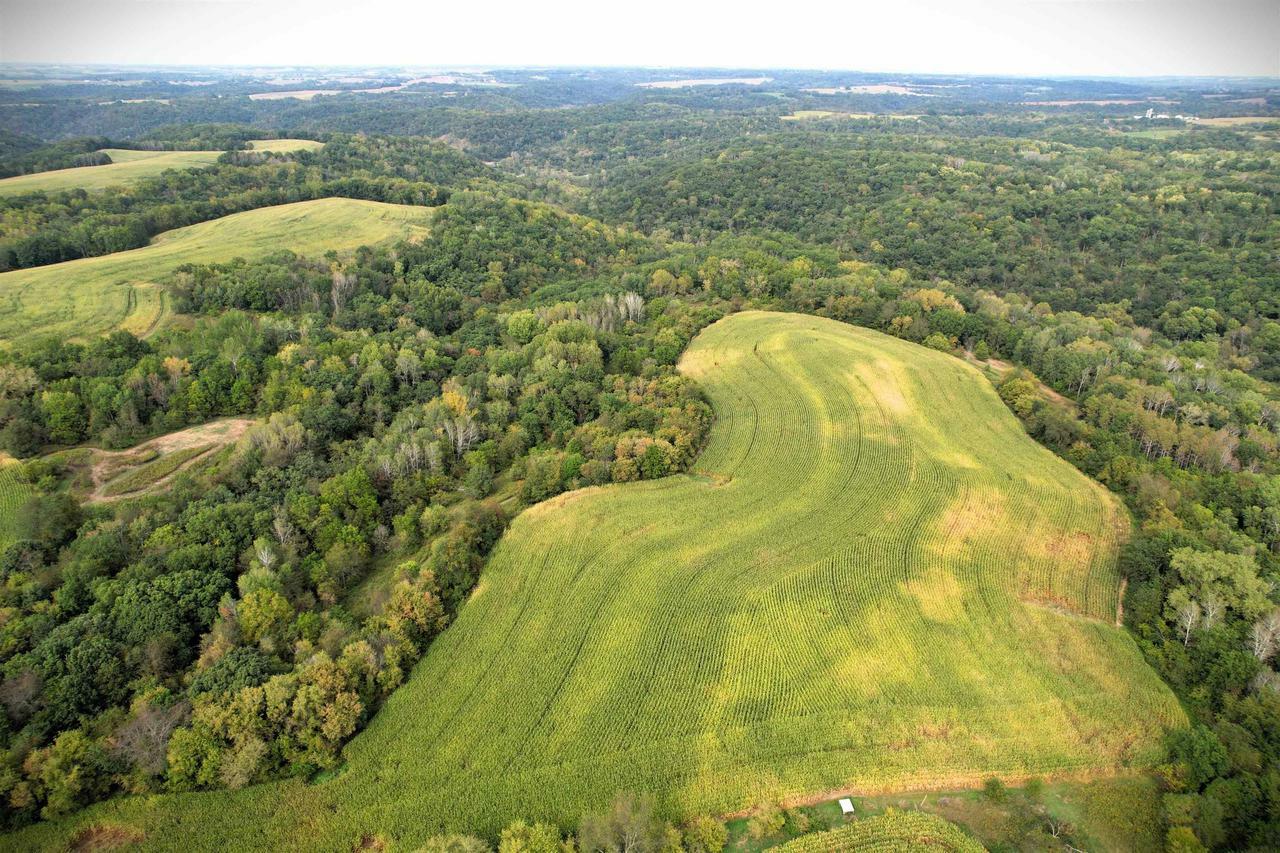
{"points": [[285, 146], [128, 166], [873, 580], [91, 296]]}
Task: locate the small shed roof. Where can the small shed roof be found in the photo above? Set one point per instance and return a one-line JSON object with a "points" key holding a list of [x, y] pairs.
{"points": [[846, 805]]}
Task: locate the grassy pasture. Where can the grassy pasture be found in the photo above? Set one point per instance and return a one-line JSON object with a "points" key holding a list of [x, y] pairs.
{"points": [[128, 166], [91, 296], [873, 581], [285, 146], [1236, 121]]}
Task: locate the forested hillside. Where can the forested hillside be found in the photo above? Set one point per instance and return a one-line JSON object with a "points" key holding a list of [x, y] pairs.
{"points": [[410, 394]]}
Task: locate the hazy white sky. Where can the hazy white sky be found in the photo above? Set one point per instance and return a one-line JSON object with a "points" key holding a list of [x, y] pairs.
{"points": [[1058, 37]]}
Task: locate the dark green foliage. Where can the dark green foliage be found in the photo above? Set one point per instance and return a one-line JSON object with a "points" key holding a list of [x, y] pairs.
{"points": [[49, 520], [239, 668]]}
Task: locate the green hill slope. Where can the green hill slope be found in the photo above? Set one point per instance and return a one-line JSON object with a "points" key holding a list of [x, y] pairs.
{"points": [[91, 296], [874, 579], [128, 166]]}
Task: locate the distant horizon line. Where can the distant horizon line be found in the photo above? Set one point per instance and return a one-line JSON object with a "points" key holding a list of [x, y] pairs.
{"points": [[572, 67]]}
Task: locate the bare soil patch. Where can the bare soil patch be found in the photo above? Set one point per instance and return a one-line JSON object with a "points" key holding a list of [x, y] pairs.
{"points": [[1003, 367], [104, 837], [109, 465]]}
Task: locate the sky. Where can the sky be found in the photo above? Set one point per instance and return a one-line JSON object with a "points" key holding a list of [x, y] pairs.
{"points": [[1015, 37]]}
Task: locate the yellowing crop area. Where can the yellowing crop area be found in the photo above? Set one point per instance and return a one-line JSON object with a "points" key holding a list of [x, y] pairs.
{"points": [[890, 833], [91, 296], [874, 579]]}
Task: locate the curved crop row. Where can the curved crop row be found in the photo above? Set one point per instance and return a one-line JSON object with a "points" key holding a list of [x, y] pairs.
{"points": [[874, 579]]}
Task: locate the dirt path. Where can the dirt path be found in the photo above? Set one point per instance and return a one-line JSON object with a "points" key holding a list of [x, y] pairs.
{"points": [[945, 785], [109, 465], [1003, 367]]}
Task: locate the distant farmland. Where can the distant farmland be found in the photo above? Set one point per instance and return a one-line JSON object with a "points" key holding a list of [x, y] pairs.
{"points": [[874, 579], [128, 166], [285, 146], [91, 296]]}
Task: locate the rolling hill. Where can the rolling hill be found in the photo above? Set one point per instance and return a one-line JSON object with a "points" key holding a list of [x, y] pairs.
{"points": [[129, 166], [91, 296], [874, 579]]}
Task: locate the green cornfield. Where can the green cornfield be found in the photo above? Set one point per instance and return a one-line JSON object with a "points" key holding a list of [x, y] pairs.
{"points": [[12, 495], [91, 296], [899, 832], [873, 580]]}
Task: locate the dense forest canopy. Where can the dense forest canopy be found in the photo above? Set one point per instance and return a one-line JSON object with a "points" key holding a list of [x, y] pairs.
{"points": [[241, 616]]}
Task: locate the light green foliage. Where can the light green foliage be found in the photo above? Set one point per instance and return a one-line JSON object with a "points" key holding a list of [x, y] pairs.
{"points": [[263, 613], [524, 326], [90, 296], [895, 831], [767, 820], [68, 771], [522, 837], [938, 341], [1215, 580], [705, 834], [1181, 839], [873, 576]]}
